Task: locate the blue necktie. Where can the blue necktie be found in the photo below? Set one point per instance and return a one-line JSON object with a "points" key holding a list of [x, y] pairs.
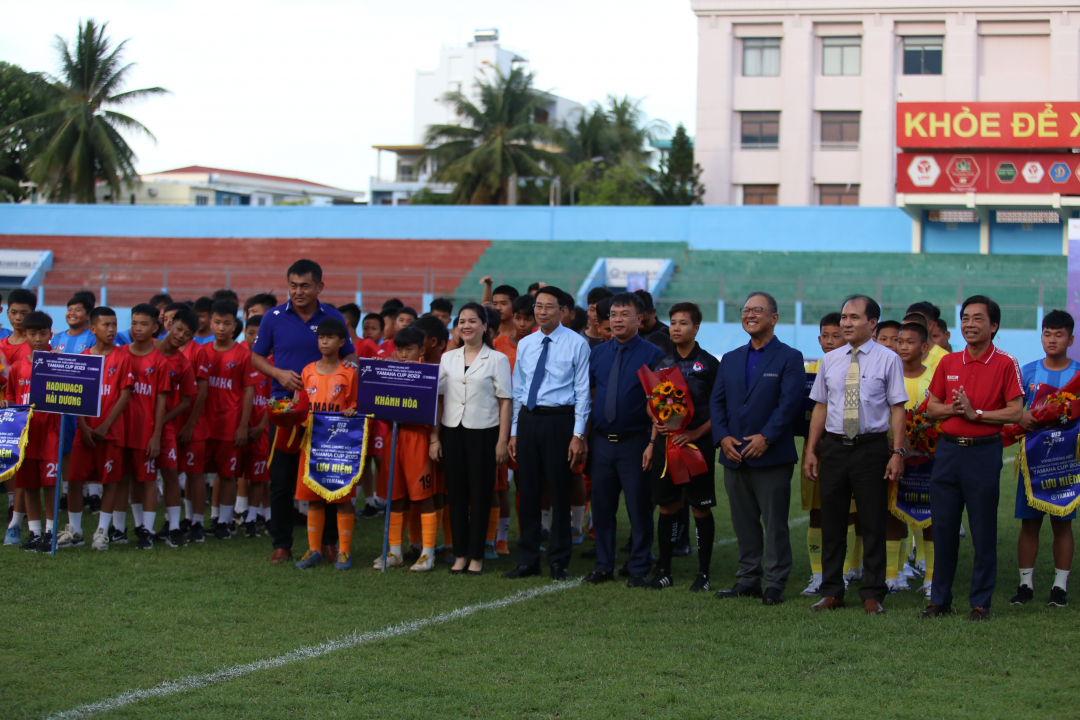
{"points": [[538, 375], [611, 394]]}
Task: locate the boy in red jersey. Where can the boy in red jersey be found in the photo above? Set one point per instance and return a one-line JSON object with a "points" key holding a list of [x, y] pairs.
{"points": [[38, 470], [15, 347], [144, 424], [229, 399], [97, 452], [331, 387], [256, 453], [191, 435]]}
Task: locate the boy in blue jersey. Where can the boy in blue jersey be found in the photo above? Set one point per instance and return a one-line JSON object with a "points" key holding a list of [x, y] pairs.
{"points": [[1055, 370], [74, 340]]}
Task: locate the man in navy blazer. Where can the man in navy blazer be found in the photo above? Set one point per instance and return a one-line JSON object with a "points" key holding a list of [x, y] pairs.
{"points": [[757, 396]]}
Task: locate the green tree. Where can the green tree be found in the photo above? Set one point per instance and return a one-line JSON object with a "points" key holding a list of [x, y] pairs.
{"points": [[497, 139], [76, 140], [631, 130], [602, 184], [17, 102], [678, 182]]}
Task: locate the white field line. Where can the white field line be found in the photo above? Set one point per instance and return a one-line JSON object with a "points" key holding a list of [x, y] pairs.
{"points": [[791, 523], [193, 682]]}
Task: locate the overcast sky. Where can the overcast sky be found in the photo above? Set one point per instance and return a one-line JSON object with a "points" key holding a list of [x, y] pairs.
{"points": [[304, 89]]}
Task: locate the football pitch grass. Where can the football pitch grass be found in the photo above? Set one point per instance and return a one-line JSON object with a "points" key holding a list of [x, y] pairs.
{"points": [[215, 631]]}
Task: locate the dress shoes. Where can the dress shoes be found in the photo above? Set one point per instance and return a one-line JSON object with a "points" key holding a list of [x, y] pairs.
{"points": [[828, 603], [873, 607], [522, 571], [596, 577], [740, 590], [934, 611], [637, 581], [281, 555], [624, 571], [558, 572], [773, 596], [979, 614]]}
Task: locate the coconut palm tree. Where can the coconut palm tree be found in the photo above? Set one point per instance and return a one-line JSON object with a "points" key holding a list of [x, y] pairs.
{"points": [[498, 137], [77, 141]]}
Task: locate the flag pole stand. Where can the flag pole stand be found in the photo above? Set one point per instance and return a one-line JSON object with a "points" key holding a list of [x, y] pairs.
{"points": [[59, 486], [389, 496]]}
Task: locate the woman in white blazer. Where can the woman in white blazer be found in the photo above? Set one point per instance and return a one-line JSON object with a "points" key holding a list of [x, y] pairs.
{"points": [[472, 434]]}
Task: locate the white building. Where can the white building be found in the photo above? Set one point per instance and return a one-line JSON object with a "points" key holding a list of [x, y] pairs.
{"points": [[797, 99], [460, 68], [198, 185]]}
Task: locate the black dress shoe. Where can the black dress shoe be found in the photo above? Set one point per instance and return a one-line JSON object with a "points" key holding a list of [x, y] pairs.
{"points": [[589, 554], [477, 572], [636, 581], [740, 590], [452, 570], [596, 577], [624, 571], [773, 596], [558, 572], [522, 571]]}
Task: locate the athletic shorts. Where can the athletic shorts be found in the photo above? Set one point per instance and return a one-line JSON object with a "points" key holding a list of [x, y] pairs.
{"points": [[700, 492], [255, 467], [101, 463], [193, 457], [35, 474], [413, 471], [223, 458], [135, 463], [811, 493], [168, 460], [1026, 512]]}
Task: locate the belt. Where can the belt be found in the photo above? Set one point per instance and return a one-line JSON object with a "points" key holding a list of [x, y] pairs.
{"points": [[623, 437], [857, 440], [551, 410], [973, 441]]}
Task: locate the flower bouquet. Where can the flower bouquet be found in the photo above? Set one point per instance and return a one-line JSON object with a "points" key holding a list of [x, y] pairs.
{"points": [[1049, 406], [923, 434], [668, 403], [289, 414]]}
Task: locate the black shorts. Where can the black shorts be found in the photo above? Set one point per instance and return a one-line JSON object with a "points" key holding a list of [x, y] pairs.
{"points": [[700, 492]]}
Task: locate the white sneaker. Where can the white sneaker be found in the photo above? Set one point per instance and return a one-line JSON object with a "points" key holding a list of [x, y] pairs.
{"points": [[392, 560], [814, 588], [920, 567], [909, 572], [426, 561], [925, 589], [853, 575], [100, 540], [69, 538], [902, 583], [893, 585]]}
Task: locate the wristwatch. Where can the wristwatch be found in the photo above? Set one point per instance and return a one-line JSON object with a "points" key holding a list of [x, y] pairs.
{"points": [[978, 415], [580, 436], [902, 452]]}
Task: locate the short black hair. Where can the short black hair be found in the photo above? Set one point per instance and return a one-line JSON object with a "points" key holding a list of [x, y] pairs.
{"points": [[689, 308], [264, 299], [373, 316], [162, 297], [77, 299], [442, 305], [177, 306], [991, 307], [305, 267], [887, 325], [332, 327], [392, 304], [226, 294], [603, 310], [873, 310], [628, 298], [22, 296], [509, 290], [351, 312], [406, 310], [101, 311], [829, 320], [204, 304], [224, 307], [769, 300], [494, 317], [917, 328], [1058, 320], [559, 295], [37, 320], [533, 287], [942, 325], [929, 310], [254, 321], [581, 319], [146, 309], [525, 304], [409, 336], [597, 294], [187, 317], [432, 327], [647, 304], [916, 317]]}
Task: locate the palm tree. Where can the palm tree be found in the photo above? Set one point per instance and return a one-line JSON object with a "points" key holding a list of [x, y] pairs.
{"points": [[76, 142], [499, 138], [630, 129]]}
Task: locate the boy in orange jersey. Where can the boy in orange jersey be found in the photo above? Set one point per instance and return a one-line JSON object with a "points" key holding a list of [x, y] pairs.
{"points": [[331, 387], [229, 399], [38, 469], [414, 477], [256, 454], [436, 337], [97, 452]]}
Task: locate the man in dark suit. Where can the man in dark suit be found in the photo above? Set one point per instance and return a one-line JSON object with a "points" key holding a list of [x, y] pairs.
{"points": [[757, 396]]}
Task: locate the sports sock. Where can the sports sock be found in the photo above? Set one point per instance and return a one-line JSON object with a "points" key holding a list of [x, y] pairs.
{"points": [[241, 505], [430, 531], [173, 513], [75, 520], [265, 512], [504, 529], [226, 515], [148, 520], [1027, 577], [345, 523], [850, 549], [253, 512], [813, 547], [905, 544], [892, 551], [11, 499], [396, 531], [35, 526], [16, 519], [545, 519], [857, 556], [48, 526], [926, 547], [1061, 579], [215, 513], [189, 510], [137, 514], [706, 534], [920, 549], [577, 516], [666, 531], [103, 521], [316, 518], [447, 533], [119, 517], [94, 488], [370, 501], [493, 524]]}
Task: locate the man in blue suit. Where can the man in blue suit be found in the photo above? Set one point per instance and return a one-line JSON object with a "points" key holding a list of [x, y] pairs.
{"points": [[757, 396]]}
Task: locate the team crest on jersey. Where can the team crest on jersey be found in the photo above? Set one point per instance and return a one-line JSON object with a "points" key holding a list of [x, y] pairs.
{"points": [[112, 371], [230, 366], [312, 390], [698, 367], [338, 388], [149, 371]]}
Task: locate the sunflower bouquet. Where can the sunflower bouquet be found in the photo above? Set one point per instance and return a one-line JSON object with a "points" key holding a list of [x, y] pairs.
{"points": [[923, 433], [667, 400], [288, 414]]}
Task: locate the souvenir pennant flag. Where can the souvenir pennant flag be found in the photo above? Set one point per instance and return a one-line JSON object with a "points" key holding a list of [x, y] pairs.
{"points": [[14, 423], [1051, 469], [333, 453], [909, 497]]}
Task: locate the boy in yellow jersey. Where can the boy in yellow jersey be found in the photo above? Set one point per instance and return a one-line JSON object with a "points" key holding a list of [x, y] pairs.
{"points": [[923, 313]]}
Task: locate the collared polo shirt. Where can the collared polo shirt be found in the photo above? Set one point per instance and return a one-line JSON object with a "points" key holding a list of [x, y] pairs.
{"points": [[631, 415], [990, 382], [293, 341]]}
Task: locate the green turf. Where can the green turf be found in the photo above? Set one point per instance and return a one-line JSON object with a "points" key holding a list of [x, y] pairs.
{"points": [[87, 626]]}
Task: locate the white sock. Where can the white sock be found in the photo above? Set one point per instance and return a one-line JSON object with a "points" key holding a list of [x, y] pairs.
{"points": [[394, 550], [252, 513], [48, 526], [265, 512], [188, 510], [103, 521], [94, 489], [1061, 579], [545, 519], [817, 578], [148, 519], [215, 513], [173, 514], [75, 520], [1027, 577], [16, 520], [577, 516], [430, 552], [504, 528], [35, 526], [137, 514], [379, 501], [370, 501], [226, 515], [11, 499], [119, 517], [65, 486], [182, 477], [241, 505], [302, 506]]}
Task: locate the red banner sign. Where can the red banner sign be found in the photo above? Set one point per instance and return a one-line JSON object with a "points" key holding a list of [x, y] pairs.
{"points": [[1012, 125], [1013, 173]]}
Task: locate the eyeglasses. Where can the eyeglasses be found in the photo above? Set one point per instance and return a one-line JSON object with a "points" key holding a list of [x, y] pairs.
{"points": [[754, 311]]}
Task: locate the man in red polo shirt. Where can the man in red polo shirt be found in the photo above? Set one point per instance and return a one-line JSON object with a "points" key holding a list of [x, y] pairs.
{"points": [[974, 393]]}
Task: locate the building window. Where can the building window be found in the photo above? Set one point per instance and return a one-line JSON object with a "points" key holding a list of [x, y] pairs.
{"points": [[202, 200], [406, 173], [838, 194], [760, 131], [841, 56], [839, 131], [760, 194], [922, 55], [761, 57], [262, 201]]}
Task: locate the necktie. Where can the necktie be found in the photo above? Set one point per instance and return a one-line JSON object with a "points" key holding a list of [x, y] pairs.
{"points": [[538, 375], [851, 397], [611, 396]]}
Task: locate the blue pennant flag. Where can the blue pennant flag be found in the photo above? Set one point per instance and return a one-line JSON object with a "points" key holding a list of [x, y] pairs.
{"points": [[1050, 463], [333, 454], [909, 497], [14, 423]]}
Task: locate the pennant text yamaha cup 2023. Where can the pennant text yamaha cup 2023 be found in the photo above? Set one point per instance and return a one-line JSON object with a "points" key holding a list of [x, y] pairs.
{"points": [[333, 453]]}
